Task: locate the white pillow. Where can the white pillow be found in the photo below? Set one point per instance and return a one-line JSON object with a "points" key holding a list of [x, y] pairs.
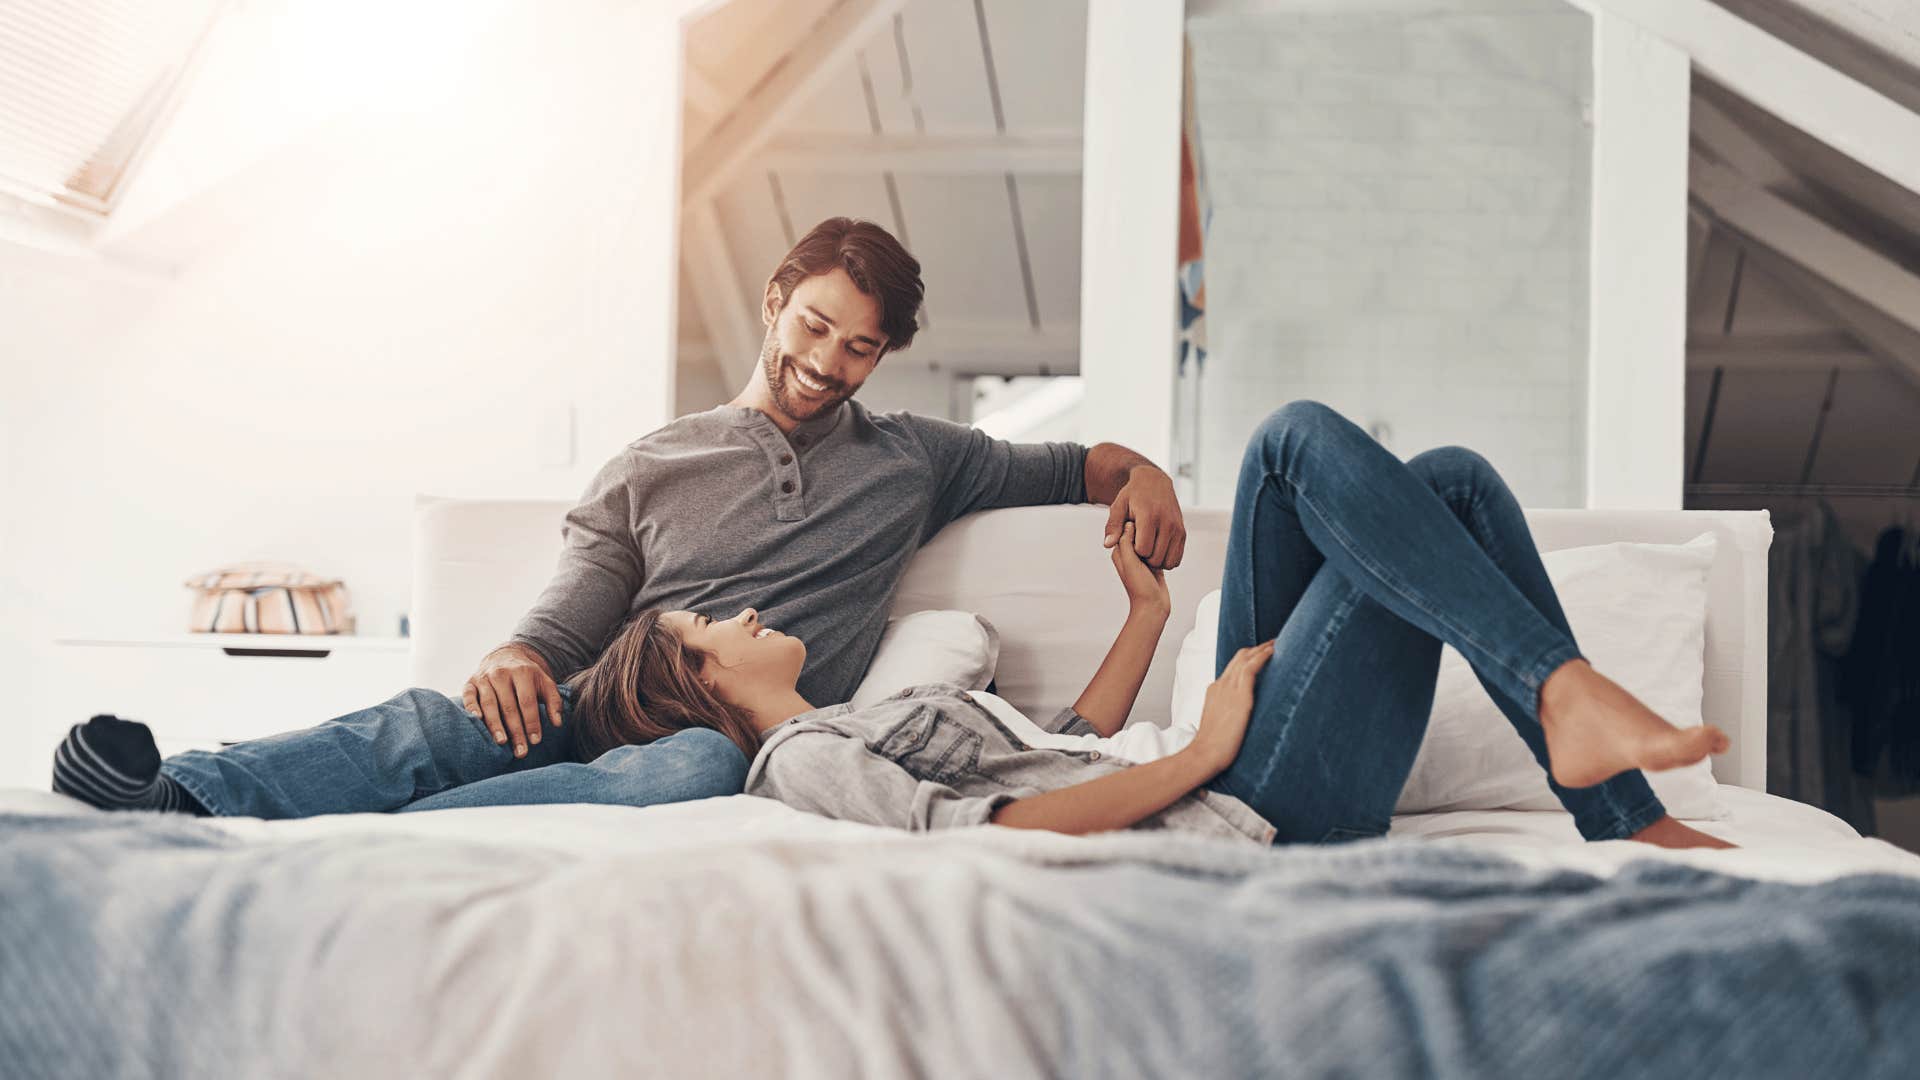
{"points": [[1639, 613], [955, 647], [1193, 670]]}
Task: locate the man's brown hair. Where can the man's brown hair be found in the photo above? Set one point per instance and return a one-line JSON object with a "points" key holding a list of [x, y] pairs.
{"points": [[875, 261]]}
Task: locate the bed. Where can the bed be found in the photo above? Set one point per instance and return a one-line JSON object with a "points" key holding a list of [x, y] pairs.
{"points": [[736, 936]]}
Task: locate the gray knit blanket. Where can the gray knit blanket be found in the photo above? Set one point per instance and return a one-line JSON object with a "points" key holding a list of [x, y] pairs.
{"points": [[137, 945]]}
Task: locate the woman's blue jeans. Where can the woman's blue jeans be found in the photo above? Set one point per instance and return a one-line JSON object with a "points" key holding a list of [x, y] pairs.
{"points": [[1358, 566], [420, 750]]}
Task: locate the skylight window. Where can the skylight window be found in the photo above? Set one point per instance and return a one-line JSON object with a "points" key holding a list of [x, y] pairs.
{"points": [[84, 84]]}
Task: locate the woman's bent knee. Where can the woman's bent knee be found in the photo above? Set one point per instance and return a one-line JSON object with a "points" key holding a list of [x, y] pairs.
{"points": [[1450, 460], [1302, 412], [1454, 470]]}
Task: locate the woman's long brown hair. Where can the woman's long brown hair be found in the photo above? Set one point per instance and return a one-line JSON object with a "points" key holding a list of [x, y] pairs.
{"points": [[646, 686]]}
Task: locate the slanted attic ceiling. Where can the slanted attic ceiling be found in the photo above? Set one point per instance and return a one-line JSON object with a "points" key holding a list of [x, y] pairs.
{"points": [[1804, 311], [954, 123], [1874, 41]]}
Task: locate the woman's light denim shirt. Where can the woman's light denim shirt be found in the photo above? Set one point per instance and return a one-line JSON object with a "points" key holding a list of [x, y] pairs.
{"points": [[933, 758]]}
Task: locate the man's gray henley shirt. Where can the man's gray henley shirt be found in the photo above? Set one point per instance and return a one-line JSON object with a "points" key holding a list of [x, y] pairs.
{"points": [[719, 511]]}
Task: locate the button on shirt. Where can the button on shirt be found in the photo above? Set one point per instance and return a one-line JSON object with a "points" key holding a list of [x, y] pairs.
{"points": [[720, 510]]}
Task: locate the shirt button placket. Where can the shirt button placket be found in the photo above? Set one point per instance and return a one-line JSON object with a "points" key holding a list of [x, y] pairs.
{"points": [[788, 502], [789, 474]]}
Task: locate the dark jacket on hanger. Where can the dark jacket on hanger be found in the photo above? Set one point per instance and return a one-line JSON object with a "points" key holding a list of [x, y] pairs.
{"points": [[1880, 677], [1813, 580]]}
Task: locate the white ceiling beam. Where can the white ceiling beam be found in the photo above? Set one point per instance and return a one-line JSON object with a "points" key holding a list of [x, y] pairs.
{"points": [[1699, 237], [944, 155], [1736, 345], [1889, 291], [1725, 139], [729, 318], [1841, 111], [814, 60], [702, 92], [1065, 361], [1007, 337], [1857, 360], [1735, 354], [1894, 342]]}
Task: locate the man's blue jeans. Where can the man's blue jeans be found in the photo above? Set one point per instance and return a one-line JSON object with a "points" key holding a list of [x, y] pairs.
{"points": [[1359, 566], [420, 750]]}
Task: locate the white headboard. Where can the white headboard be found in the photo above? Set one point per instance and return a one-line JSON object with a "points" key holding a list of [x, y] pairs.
{"points": [[1040, 575]]}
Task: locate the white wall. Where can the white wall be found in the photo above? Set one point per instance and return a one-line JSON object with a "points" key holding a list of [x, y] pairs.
{"points": [[1401, 196], [1637, 283], [1128, 224], [388, 303]]}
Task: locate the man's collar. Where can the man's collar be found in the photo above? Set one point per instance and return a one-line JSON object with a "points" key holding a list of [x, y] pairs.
{"points": [[816, 428]]}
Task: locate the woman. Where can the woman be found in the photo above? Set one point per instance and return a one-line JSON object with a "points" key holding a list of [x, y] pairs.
{"points": [[1346, 570]]}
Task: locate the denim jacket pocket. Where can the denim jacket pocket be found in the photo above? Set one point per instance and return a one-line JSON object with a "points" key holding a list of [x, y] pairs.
{"points": [[931, 747]]}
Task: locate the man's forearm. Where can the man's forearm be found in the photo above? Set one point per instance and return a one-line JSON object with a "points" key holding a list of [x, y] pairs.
{"points": [[529, 650], [1109, 466]]}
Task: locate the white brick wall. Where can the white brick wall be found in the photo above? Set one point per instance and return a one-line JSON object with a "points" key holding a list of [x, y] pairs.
{"points": [[1400, 209]]}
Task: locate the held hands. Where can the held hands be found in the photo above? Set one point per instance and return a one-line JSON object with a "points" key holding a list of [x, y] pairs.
{"points": [[1147, 500], [1229, 703], [1146, 587], [507, 692]]}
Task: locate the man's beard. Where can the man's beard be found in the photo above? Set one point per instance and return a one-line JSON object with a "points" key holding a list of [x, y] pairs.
{"points": [[773, 368]]}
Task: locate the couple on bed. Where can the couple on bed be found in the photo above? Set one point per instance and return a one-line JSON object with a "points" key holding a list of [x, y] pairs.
{"points": [[726, 579]]}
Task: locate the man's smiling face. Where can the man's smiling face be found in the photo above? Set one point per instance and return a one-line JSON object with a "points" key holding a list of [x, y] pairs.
{"points": [[821, 345]]}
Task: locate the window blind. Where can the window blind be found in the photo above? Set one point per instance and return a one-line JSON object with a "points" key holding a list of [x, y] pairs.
{"points": [[83, 85]]}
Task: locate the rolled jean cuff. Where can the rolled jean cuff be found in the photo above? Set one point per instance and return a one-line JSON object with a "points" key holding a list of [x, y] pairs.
{"points": [[194, 789], [1626, 824], [1536, 675]]}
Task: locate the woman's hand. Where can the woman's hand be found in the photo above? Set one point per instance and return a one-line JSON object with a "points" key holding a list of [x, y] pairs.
{"points": [[1108, 698], [1146, 587], [1229, 703]]}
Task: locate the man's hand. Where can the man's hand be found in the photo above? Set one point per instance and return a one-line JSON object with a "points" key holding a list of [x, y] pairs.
{"points": [[506, 692], [1160, 530]]}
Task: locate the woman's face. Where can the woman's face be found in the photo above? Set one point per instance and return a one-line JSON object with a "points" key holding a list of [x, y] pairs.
{"points": [[742, 654]]}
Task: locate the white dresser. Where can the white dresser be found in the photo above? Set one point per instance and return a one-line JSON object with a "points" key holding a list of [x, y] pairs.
{"points": [[197, 691]]}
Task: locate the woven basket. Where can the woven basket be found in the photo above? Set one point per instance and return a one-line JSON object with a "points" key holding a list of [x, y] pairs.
{"points": [[268, 598]]}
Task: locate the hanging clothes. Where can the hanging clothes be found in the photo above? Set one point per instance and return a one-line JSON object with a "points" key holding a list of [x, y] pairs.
{"points": [[1813, 605], [1880, 678], [1196, 214]]}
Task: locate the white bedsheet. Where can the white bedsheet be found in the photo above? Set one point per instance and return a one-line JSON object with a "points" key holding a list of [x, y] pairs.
{"points": [[1780, 839]]}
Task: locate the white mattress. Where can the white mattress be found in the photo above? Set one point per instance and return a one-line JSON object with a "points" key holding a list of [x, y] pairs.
{"points": [[1780, 839]]}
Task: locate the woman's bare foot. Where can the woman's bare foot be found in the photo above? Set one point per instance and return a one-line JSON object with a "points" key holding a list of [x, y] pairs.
{"points": [[1596, 730], [1669, 833]]}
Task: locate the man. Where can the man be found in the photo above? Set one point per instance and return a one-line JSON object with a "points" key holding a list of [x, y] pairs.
{"points": [[792, 498]]}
